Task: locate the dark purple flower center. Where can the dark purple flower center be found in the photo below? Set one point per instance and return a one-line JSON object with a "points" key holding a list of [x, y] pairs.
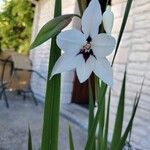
{"points": [[86, 50]]}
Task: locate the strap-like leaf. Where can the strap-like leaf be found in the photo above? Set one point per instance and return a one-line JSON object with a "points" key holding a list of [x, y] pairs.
{"points": [[119, 116], [91, 112], [52, 98], [29, 139], [123, 139], [105, 141], [71, 143], [121, 143], [101, 99], [91, 137], [125, 18], [51, 29]]}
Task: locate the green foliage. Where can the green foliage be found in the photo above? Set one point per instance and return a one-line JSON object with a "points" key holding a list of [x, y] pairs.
{"points": [[123, 25], [16, 20], [52, 98], [29, 139], [82, 5], [119, 116], [101, 119], [105, 140], [91, 113], [71, 143], [51, 29]]}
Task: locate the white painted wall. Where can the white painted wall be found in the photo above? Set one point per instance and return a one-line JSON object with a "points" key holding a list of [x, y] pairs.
{"points": [[135, 52]]}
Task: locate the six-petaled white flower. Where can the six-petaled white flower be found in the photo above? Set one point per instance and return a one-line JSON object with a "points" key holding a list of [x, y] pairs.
{"points": [[86, 50]]}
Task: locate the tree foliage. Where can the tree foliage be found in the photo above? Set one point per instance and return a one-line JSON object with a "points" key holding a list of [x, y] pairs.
{"points": [[16, 19]]}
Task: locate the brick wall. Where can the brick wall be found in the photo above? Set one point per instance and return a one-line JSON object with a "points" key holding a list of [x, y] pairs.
{"points": [[134, 51]]}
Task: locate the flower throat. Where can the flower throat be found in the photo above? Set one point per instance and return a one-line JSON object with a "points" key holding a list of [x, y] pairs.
{"points": [[86, 50]]}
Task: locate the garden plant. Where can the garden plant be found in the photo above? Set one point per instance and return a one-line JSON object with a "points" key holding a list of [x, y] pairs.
{"points": [[85, 50]]}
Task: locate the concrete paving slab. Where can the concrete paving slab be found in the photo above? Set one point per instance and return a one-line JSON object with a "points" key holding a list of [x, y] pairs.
{"points": [[14, 125]]}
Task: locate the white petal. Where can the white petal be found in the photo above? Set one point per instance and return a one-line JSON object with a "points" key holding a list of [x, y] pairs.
{"points": [[85, 69], [71, 41], [64, 63], [91, 19], [104, 71], [103, 44]]}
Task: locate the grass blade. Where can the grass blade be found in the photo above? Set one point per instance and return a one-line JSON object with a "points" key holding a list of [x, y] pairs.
{"points": [[124, 21], [82, 5], [71, 143], [51, 29], [105, 142], [119, 116], [52, 98], [29, 139]]}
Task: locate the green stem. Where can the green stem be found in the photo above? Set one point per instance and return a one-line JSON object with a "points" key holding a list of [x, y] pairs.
{"points": [[52, 98]]}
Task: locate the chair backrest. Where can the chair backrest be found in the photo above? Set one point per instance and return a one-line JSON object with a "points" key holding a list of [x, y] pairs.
{"points": [[2, 66], [6, 67], [16, 70], [22, 71]]}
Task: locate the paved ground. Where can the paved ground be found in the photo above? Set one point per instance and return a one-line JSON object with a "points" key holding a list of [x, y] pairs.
{"points": [[14, 124]]}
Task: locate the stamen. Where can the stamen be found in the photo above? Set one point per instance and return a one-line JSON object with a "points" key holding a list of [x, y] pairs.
{"points": [[86, 50], [87, 47]]}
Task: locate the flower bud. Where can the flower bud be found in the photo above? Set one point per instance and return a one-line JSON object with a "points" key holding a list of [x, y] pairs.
{"points": [[108, 19]]}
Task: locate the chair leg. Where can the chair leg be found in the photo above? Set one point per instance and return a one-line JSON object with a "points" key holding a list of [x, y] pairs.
{"points": [[6, 100], [24, 96], [35, 100], [1, 94]]}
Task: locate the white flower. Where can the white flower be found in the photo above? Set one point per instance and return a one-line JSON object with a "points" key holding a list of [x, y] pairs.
{"points": [[86, 50]]}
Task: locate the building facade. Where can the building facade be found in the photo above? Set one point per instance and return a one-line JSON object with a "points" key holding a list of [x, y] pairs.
{"points": [[134, 52]]}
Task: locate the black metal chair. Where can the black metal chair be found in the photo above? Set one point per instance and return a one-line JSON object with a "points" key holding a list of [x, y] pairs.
{"points": [[15, 74], [6, 70], [22, 72]]}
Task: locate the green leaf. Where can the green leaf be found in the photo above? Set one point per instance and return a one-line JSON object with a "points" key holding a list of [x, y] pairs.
{"points": [[71, 143], [91, 137], [130, 132], [119, 116], [105, 141], [91, 112], [52, 98], [16, 28], [121, 143], [101, 104], [29, 139], [51, 29], [82, 5], [125, 18]]}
